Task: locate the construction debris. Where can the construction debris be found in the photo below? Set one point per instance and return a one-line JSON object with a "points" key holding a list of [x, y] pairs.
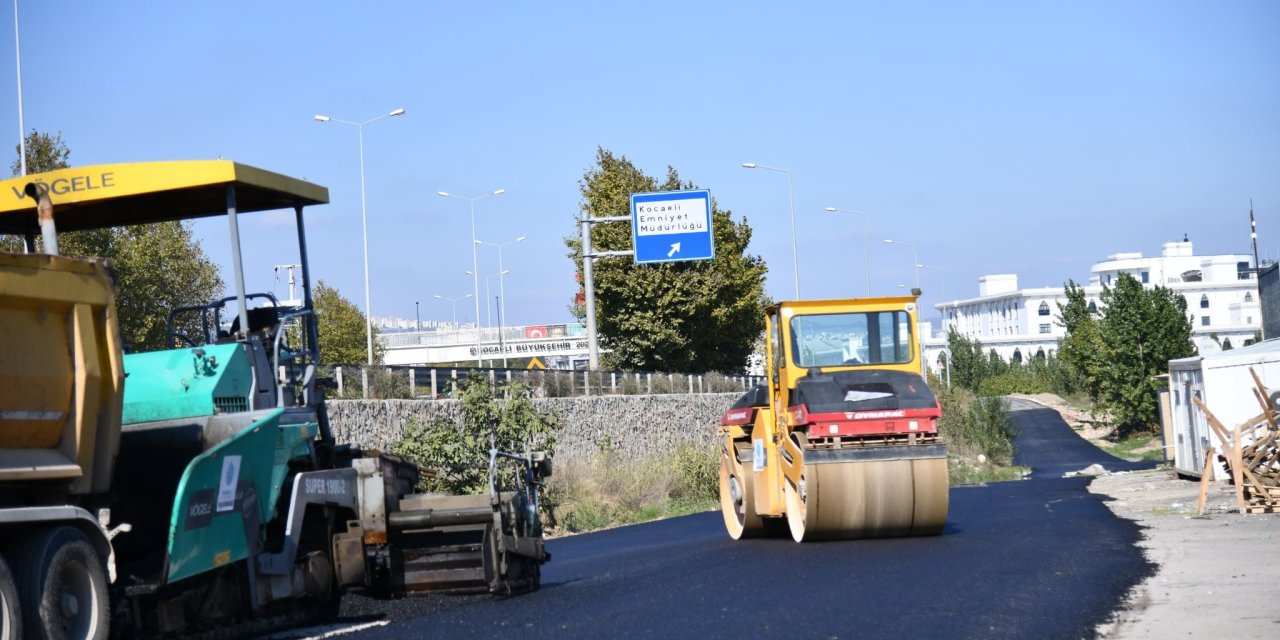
{"points": [[1251, 454]]}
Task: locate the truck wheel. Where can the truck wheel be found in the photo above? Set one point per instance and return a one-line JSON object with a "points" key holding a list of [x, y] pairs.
{"points": [[10, 612], [63, 586]]}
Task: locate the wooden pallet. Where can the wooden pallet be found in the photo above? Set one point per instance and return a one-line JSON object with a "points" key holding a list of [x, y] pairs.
{"points": [[1251, 452]]}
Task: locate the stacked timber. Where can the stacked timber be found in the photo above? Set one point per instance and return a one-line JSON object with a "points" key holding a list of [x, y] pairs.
{"points": [[1251, 453]]}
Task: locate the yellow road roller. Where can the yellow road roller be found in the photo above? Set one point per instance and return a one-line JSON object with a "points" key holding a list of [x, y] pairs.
{"points": [[842, 440]]}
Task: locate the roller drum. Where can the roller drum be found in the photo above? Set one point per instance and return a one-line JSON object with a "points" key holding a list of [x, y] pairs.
{"points": [[884, 492], [737, 498]]}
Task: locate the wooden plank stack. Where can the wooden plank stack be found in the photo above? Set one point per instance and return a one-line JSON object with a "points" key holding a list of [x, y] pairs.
{"points": [[1251, 452]]}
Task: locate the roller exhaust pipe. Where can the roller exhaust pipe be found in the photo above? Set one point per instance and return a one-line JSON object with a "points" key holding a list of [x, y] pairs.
{"points": [[44, 211]]}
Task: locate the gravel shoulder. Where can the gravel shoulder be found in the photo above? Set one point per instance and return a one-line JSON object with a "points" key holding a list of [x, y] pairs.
{"points": [[1217, 572]]}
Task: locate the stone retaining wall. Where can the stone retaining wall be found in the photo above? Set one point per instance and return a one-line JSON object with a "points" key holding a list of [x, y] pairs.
{"points": [[636, 427]]}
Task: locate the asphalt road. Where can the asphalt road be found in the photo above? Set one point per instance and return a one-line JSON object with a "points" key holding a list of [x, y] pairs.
{"points": [[1040, 558]]}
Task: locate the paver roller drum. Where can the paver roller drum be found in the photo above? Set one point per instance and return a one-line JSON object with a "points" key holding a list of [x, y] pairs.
{"points": [[892, 492]]}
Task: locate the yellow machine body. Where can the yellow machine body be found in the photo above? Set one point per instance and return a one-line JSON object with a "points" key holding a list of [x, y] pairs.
{"points": [[841, 441]]}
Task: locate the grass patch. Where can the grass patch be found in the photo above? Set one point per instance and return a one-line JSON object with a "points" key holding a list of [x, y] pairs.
{"points": [[1136, 448], [610, 491], [962, 472]]}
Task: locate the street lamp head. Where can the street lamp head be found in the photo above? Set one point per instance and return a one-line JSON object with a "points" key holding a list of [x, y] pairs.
{"points": [[520, 239], [888, 242], [831, 209], [443, 194], [478, 241], [320, 118], [467, 296], [749, 165], [504, 272], [498, 192], [470, 273], [438, 297], [397, 112]]}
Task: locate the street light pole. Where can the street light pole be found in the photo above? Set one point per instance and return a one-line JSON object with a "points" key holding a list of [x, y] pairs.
{"points": [[795, 255], [502, 293], [942, 273], [866, 242], [454, 302], [915, 255], [417, 318], [22, 131], [364, 221], [475, 263]]}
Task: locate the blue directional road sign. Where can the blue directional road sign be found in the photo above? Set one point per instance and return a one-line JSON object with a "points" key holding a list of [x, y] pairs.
{"points": [[672, 226]]}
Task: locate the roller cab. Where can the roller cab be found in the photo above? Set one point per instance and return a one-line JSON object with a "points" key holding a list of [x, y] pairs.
{"points": [[842, 442]]}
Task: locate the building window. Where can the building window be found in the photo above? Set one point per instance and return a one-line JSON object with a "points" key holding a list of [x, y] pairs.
{"points": [[1248, 296], [1044, 328], [1146, 275], [1204, 301], [1044, 308], [1204, 321]]}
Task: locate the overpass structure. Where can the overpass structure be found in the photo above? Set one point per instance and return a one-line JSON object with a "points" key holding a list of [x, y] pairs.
{"points": [[551, 343]]}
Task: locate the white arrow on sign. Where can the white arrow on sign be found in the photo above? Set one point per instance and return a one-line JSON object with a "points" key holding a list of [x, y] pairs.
{"points": [[675, 248]]}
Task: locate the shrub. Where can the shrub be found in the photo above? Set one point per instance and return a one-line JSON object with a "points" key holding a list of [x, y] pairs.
{"points": [[459, 453]]}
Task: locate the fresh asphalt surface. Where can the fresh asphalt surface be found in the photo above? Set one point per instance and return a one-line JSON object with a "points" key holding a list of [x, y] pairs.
{"points": [[1040, 558]]}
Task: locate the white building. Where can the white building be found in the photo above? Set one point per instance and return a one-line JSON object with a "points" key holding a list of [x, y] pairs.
{"points": [[1221, 293]]}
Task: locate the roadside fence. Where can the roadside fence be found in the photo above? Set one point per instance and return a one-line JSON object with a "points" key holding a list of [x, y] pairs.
{"points": [[404, 383]]}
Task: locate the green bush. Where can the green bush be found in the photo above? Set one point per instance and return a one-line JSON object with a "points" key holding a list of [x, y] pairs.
{"points": [[459, 453], [1016, 380], [971, 425]]}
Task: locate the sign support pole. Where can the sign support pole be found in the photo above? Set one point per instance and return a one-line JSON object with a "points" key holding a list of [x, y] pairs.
{"points": [[589, 256]]}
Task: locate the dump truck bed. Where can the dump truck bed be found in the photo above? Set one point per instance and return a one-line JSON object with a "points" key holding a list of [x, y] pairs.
{"points": [[61, 371]]}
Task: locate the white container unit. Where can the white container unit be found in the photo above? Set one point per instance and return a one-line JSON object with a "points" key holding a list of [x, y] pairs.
{"points": [[1222, 382]]}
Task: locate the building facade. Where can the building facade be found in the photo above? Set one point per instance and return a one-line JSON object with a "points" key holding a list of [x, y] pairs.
{"points": [[1221, 293]]}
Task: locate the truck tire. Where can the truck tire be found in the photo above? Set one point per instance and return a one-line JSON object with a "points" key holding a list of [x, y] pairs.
{"points": [[62, 583], [10, 612]]}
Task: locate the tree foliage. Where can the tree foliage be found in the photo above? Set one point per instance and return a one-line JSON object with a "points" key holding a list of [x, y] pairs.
{"points": [[458, 452], [157, 267], [1082, 349], [680, 316], [1142, 329], [343, 339], [1119, 353]]}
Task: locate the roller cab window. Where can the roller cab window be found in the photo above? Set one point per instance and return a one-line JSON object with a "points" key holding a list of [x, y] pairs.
{"points": [[851, 339]]}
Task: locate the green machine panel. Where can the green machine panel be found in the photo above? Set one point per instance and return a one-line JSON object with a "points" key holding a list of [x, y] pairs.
{"points": [[228, 492], [186, 383]]}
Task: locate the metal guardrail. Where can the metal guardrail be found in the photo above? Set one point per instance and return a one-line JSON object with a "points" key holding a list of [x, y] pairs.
{"points": [[404, 382]]}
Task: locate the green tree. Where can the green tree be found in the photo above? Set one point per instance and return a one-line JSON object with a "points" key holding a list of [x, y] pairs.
{"points": [[1143, 329], [1082, 350], [680, 316], [158, 267], [459, 452], [969, 366], [342, 329], [44, 153]]}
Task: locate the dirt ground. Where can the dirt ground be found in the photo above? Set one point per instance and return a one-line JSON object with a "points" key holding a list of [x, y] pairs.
{"points": [[1218, 573]]}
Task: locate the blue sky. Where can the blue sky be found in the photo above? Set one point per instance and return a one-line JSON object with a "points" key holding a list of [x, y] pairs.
{"points": [[999, 137]]}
